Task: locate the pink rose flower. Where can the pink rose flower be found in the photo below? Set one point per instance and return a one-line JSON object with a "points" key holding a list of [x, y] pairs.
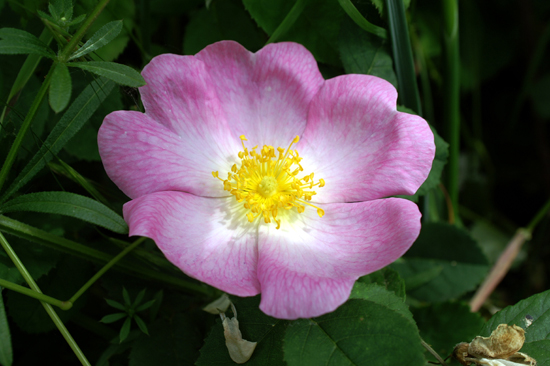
{"points": [[260, 230]]}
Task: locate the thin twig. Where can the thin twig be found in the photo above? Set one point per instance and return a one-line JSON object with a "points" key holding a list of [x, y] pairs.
{"points": [[434, 353], [500, 269]]}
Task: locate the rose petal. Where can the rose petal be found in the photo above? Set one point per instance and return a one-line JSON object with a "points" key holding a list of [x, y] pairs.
{"points": [[204, 237], [308, 267], [142, 156], [360, 145], [266, 95]]}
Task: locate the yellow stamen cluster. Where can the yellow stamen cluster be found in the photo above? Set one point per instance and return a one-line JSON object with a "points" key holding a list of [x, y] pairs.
{"points": [[266, 182]]}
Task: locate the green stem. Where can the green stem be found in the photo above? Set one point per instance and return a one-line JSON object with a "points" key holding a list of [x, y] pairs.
{"points": [[452, 98], [360, 20], [288, 21], [24, 127], [64, 305], [33, 234], [402, 56], [539, 216], [71, 46], [105, 268], [49, 309]]}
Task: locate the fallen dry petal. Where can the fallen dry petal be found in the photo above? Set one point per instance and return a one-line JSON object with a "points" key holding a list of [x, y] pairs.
{"points": [[503, 342], [219, 305], [240, 350]]}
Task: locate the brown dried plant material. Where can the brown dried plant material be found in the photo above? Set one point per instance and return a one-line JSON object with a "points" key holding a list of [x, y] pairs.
{"points": [[502, 343], [240, 350], [499, 349]]}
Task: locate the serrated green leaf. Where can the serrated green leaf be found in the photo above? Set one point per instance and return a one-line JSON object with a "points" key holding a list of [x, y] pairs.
{"points": [[68, 204], [380, 295], [537, 334], [78, 113], [6, 353], [359, 332], [119, 73], [60, 88], [141, 324], [387, 278], [46, 16], [126, 297], [255, 326], [169, 343], [100, 38], [111, 318], [125, 330], [146, 305], [445, 325], [440, 244], [17, 41], [365, 53], [115, 304]]}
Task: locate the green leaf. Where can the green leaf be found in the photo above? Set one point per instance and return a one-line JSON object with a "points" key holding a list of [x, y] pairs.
{"points": [[111, 318], [115, 304], [380, 295], [445, 325], [364, 53], [537, 335], [316, 28], [77, 20], [119, 73], [103, 36], [125, 330], [358, 333], [387, 278], [138, 299], [38, 260], [442, 245], [126, 297], [16, 41], [60, 88], [78, 113], [156, 305], [141, 324], [6, 353], [354, 14], [68, 204], [402, 55], [255, 326], [170, 343], [146, 305]]}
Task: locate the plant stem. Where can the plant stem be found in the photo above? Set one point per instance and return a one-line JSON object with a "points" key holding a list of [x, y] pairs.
{"points": [[360, 20], [434, 353], [49, 309], [105, 268], [452, 97], [24, 127], [63, 305], [542, 212], [33, 234]]}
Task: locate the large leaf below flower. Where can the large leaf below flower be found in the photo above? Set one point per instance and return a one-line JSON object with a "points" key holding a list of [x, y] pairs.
{"points": [[358, 333], [443, 263], [537, 335]]}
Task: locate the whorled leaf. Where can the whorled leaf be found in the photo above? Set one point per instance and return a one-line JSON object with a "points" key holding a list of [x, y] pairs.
{"points": [[16, 41], [6, 353]]}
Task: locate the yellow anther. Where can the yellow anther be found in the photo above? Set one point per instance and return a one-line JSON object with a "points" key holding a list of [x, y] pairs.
{"points": [[265, 182], [320, 212], [321, 182]]}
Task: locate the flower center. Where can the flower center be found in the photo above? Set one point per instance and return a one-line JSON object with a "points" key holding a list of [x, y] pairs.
{"points": [[266, 183]]}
